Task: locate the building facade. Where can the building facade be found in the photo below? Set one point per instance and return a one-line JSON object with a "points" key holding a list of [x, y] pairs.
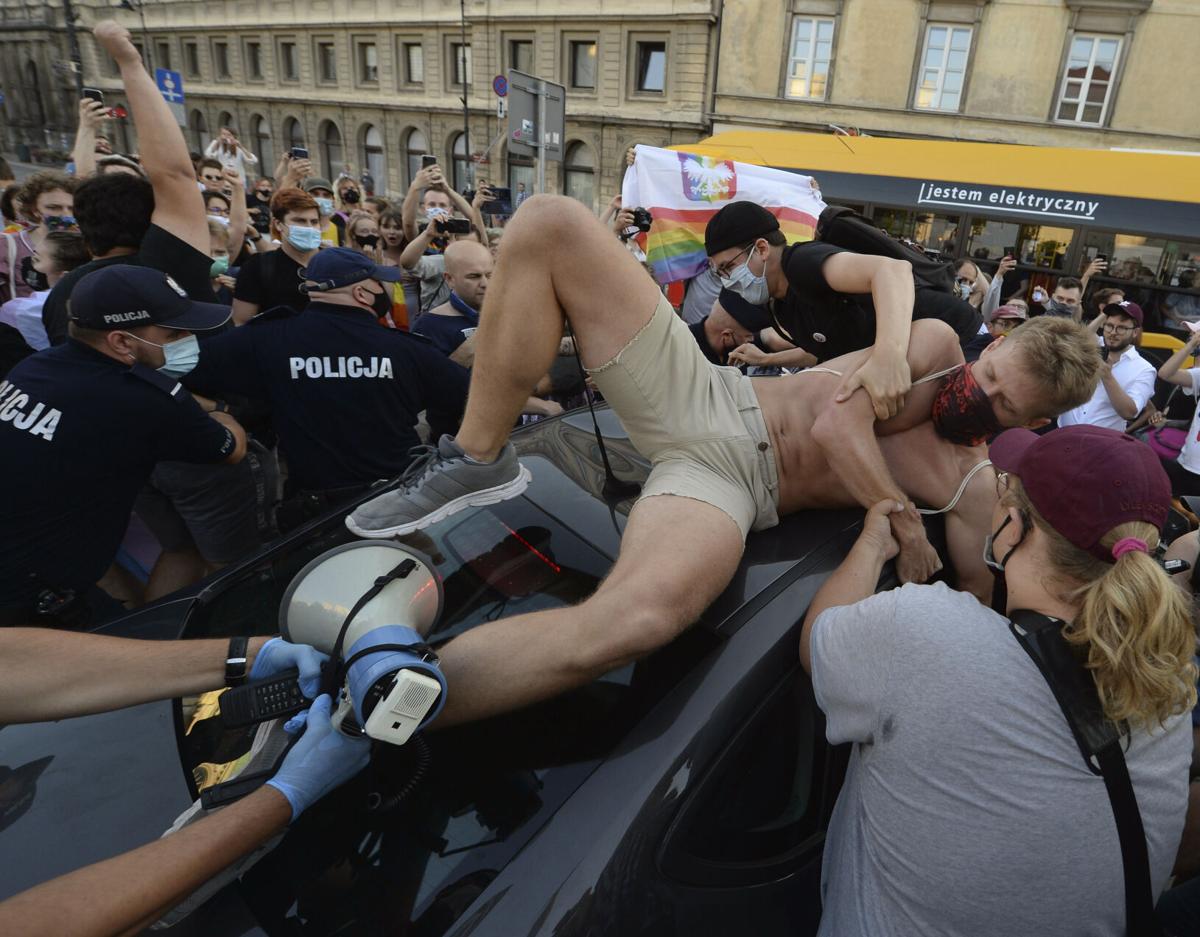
{"points": [[376, 84], [1075, 73]]}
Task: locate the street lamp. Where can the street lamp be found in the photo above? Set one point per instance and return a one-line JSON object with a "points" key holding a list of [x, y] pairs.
{"points": [[140, 7]]}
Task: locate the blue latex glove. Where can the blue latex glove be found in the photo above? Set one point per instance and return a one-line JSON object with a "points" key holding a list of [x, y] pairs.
{"points": [[323, 759], [277, 654]]}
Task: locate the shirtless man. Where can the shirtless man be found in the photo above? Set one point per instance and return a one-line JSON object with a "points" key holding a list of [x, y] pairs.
{"points": [[729, 453]]}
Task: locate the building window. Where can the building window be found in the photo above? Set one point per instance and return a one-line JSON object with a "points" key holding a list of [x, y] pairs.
{"points": [[326, 62], [460, 56], [191, 58], [254, 64], [162, 55], [262, 143], [943, 67], [651, 61], [289, 63], [809, 56], [293, 134], [582, 64], [198, 131], [520, 178], [459, 154], [368, 63], [413, 56], [221, 60], [332, 156], [520, 55], [371, 156], [579, 174], [415, 146], [1088, 81]]}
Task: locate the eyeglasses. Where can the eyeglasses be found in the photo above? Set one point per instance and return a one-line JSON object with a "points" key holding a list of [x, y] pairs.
{"points": [[1118, 329], [218, 210], [1001, 484], [725, 268]]}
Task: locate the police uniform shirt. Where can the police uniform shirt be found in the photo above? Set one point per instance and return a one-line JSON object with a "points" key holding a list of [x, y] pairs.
{"points": [[344, 391], [80, 433], [445, 333], [827, 323]]}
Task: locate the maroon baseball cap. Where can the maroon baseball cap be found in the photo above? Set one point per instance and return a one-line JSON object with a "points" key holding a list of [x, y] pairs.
{"points": [[1126, 308], [1086, 480]]}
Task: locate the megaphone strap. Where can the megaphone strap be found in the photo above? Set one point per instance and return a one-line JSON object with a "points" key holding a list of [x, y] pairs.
{"points": [[421, 649], [334, 676]]}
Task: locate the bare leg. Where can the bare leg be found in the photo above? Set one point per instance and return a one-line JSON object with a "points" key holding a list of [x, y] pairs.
{"points": [[652, 594], [559, 263], [174, 570]]}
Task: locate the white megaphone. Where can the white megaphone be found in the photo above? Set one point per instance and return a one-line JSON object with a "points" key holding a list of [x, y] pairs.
{"points": [[369, 605]]}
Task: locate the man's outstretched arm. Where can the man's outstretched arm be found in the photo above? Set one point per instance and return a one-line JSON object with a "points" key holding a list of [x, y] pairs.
{"points": [[178, 207]]}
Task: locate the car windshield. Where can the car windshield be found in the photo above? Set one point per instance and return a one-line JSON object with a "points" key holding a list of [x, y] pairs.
{"points": [[409, 844]]}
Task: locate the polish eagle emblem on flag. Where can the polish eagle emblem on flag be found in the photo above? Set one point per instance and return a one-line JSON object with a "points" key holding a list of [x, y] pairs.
{"points": [[706, 179]]}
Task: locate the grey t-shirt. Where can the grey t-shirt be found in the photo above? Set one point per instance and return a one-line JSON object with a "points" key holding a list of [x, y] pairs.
{"points": [[434, 290], [702, 291], [967, 808]]}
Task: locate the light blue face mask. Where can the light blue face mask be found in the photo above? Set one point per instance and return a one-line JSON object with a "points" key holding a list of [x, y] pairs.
{"points": [[746, 284], [303, 239], [219, 267], [181, 356], [325, 206]]}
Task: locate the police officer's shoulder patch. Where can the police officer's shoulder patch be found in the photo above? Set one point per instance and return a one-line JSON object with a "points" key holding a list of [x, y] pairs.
{"points": [[275, 312], [168, 385]]}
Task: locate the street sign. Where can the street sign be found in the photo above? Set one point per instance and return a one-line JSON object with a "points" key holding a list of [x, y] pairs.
{"points": [[500, 85], [170, 85], [531, 100], [501, 108]]}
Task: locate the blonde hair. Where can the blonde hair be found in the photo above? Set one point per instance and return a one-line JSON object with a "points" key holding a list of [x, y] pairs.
{"points": [[1062, 357], [354, 219], [1134, 626]]}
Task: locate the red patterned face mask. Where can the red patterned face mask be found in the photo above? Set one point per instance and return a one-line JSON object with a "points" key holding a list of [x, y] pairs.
{"points": [[962, 412]]}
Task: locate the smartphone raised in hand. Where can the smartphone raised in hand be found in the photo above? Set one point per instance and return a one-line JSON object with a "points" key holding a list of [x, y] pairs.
{"points": [[93, 94], [428, 160], [500, 203], [299, 152]]}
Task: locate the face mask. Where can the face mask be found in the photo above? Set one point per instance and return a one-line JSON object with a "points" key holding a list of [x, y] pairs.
{"points": [[368, 240], [220, 266], [350, 197], [962, 412], [34, 279], [303, 239], [264, 195], [989, 553], [1055, 308], [964, 291], [180, 356], [219, 219], [436, 213], [746, 284], [381, 303], [324, 206]]}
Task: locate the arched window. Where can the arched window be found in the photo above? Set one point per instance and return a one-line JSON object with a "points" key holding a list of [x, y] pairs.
{"points": [[459, 154], [198, 131], [371, 156], [332, 156], [579, 174], [293, 134], [33, 95], [261, 142], [415, 146]]}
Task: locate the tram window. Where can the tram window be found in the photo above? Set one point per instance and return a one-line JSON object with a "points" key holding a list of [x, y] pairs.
{"points": [[1146, 259], [930, 231], [1032, 244]]}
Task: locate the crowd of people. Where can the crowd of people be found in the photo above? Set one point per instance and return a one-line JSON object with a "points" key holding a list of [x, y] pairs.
{"points": [[224, 354]]}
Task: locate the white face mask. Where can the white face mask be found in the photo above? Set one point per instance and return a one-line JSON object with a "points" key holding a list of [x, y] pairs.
{"points": [[750, 286], [219, 219]]}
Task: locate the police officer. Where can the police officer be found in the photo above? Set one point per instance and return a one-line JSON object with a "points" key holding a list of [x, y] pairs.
{"points": [[81, 427], [345, 392]]}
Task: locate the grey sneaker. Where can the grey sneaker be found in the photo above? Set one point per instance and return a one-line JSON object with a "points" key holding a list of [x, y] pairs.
{"points": [[441, 483]]}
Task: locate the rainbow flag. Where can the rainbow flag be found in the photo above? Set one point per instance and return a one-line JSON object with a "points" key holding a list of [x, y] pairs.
{"points": [[684, 190]]}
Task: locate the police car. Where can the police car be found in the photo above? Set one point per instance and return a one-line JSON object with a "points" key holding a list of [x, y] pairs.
{"points": [[685, 794]]}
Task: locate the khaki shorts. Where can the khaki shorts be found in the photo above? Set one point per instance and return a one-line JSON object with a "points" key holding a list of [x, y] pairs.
{"points": [[699, 424]]}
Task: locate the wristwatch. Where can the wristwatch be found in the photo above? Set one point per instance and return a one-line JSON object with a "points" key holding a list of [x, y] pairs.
{"points": [[235, 662]]}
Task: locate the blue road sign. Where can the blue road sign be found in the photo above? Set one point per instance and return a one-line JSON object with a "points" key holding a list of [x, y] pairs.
{"points": [[170, 84], [500, 85]]}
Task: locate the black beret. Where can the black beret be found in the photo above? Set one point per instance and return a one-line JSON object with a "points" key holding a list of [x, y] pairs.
{"points": [[751, 317], [737, 224]]}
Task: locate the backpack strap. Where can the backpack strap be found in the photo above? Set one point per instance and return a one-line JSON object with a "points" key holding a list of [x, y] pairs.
{"points": [[1099, 741]]}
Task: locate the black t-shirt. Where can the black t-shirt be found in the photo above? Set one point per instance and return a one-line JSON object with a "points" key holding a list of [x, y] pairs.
{"points": [[827, 323], [160, 250], [344, 391], [80, 433], [445, 333], [271, 279]]}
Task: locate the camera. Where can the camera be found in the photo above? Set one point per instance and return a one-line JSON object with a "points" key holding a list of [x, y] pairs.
{"points": [[642, 219]]}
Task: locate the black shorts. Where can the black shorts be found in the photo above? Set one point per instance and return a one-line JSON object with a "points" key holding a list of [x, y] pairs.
{"points": [[221, 510]]}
